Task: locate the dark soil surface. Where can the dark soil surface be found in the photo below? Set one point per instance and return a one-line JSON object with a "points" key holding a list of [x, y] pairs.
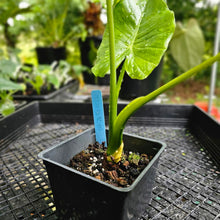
{"points": [[93, 161]]}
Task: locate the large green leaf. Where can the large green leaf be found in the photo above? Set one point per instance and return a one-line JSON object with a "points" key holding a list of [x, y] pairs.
{"points": [[188, 45], [143, 29], [7, 85]]}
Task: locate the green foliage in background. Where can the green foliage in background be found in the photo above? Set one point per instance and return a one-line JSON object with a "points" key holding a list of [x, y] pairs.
{"points": [[10, 9], [187, 46], [57, 21], [184, 12], [8, 71], [15, 77]]}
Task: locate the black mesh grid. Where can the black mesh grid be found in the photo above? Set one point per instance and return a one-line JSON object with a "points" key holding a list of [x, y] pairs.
{"points": [[187, 183]]}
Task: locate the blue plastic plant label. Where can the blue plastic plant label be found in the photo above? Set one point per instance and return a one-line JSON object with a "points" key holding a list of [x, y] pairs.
{"points": [[98, 116]]}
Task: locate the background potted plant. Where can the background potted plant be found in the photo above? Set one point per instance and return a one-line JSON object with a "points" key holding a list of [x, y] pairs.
{"points": [[149, 27], [91, 40], [45, 81], [56, 22], [133, 88]]}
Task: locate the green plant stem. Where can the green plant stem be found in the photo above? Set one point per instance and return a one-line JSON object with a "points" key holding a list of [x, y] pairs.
{"points": [[113, 94], [139, 102], [120, 79]]}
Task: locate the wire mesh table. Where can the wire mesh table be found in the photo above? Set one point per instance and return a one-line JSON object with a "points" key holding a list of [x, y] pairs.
{"points": [[187, 184]]}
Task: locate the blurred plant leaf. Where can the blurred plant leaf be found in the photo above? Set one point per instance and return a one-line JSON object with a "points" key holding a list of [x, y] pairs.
{"points": [[54, 80], [7, 107], [7, 88], [8, 68], [78, 69], [7, 85], [188, 45]]}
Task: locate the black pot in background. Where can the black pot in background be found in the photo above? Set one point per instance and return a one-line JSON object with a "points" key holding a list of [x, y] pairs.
{"points": [[47, 55], [82, 197], [133, 88], [88, 51]]}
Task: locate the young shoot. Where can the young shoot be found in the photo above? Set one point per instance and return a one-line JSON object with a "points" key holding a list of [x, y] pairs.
{"points": [[137, 34]]}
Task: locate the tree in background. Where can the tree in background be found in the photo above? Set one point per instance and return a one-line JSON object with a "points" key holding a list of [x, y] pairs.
{"points": [[10, 9]]}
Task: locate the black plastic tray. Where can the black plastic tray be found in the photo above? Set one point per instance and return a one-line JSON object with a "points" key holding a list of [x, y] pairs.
{"points": [[188, 179], [74, 85]]}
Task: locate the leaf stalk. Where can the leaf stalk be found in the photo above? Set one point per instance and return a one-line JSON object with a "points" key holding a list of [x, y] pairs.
{"points": [[113, 80], [134, 105]]}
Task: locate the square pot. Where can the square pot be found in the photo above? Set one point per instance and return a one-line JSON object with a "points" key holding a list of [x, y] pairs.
{"points": [[81, 196], [47, 55]]}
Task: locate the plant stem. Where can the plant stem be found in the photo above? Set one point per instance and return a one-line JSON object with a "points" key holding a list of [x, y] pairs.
{"points": [[120, 79], [113, 94], [134, 105]]}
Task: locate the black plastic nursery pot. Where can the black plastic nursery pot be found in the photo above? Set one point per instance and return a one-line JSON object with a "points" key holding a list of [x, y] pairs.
{"points": [[47, 55], [81, 196], [133, 88]]}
